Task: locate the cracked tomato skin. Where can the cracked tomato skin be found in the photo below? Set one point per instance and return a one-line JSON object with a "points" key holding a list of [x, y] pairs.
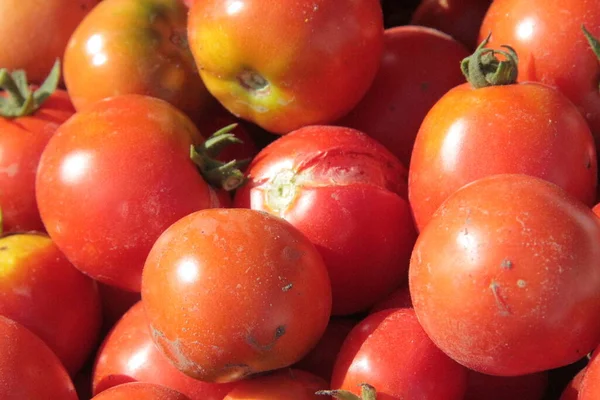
{"points": [[506, 269], [347, 194], [284, 65], [233, 292], [28, 368], [289, 384], [140, 391]]}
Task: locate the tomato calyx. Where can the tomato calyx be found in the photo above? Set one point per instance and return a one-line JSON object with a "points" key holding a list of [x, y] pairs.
{"points": [[367, 392], [483, 68], [593, 41], [21, 101], [225, 175]]}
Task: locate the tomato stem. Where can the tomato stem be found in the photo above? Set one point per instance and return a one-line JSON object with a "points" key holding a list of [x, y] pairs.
{"points": [[368, 392], [483, 68], [594, 42], [21, 101]]}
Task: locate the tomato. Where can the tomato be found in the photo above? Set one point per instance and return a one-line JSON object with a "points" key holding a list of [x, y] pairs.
{"points": [[571, 392], [128, 354], [134, 46], [399, 298], [40, 289], [23, 136], [460, 19], [589, 387], [526, 128], [489, 387], [289, 384], [286, 65], [347, 194], [390, 351], [140, 391], [402, 93], [113, 178], [28, 368], [234, 292], [496, 276], [563, 60], [34, 34]]}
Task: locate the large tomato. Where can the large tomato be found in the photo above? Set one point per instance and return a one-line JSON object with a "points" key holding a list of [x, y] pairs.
{"points": [[40, 289], [548, 36], [128, 354], [347, 194], [284, 65], [233, 292], [474, 131], [140, 391], [288, 384], [403, 92], [507, 268], [113, 178], [33, 33], [390, 351], [134, 46], [28, 368], [24, 132]]}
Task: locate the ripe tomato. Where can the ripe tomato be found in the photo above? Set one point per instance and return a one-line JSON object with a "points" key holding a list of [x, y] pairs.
{"points": [[289, 384], [589, 385], [390, 351], [128, 354], [234, 292], [285, 65], [403, 92], [140, 391], [527, 128], [28, 368], [134, 46], [564, 60], [496, 276], [33, 33], [571, 391], [400, 298], [347, 194], [23, 136], [113, 178], [489, 387], [40, 289]]}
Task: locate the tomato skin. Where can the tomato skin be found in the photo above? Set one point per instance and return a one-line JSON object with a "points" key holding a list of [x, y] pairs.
{"points": [[525, 128], [43, 291], [289, 384], [140, 391], [207, 265], [24, 33], [128, 354], [565, 61], [491, 275], [28, 368], [22, 141], [589, 387], [347, 194], [571, 392], [101, 61], [272, 71], [489, 387], [419, 371], [399, 298], [402, 93], [108, 233]]}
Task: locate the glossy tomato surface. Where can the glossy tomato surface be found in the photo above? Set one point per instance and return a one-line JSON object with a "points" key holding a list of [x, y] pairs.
{"points": [[496, 276], [140, 391], [289, 384], [233, 292]]}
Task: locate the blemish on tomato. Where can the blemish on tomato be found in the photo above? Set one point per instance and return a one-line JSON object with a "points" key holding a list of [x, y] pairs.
{"points": [[507, 264], [287, 287], [503, 308]]}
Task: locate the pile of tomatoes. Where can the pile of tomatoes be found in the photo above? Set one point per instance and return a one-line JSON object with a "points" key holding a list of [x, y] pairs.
{"points": [[299, 200]]}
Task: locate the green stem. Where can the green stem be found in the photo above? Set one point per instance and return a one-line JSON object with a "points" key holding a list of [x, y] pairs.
{"points": [[483, 68], [594, 43], [367, 392]]}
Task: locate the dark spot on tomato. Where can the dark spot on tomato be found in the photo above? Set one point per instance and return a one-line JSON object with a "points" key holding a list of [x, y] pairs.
{"points": [[507, 264], [424, 86], [280, 331]]}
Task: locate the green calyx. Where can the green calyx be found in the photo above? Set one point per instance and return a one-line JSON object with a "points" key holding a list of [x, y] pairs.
{"points": [[483, 68], [225, 175], [21, 101], [367, 392], [594, 43]]}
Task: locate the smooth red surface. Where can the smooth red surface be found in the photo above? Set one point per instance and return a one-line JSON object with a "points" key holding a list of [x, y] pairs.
{"points": [[289, 384], [140, 391]]}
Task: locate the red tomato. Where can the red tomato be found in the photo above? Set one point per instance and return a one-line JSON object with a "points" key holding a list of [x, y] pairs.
{"points": [[22, 140], [288, 384], [134, 46], [113, 178], [140, 391], [589, 384], [40, 289], [552, 48], [496, 276], [347, 194], [400, 298], [234, 292], [284, 65], [390, 351], [128, 354], [28, 368], [489, 387], [571, 392], [403, 92]]}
